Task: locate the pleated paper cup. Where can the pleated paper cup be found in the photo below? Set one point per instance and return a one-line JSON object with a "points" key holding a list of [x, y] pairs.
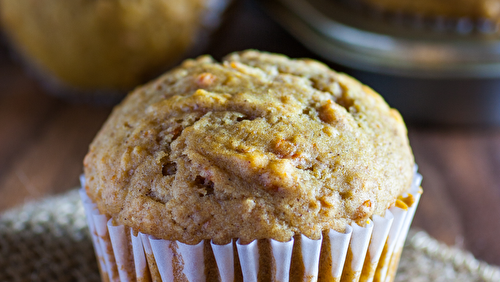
{"points": [[360, 253]]}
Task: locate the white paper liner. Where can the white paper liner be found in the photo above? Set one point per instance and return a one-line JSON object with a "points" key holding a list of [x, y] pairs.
{"points": [[193, 255], [140, 263], [360, 240], [282, 252], [163, 255], [311, 250], [120, 244], [249, 260], [338, 250], [100, 222], [354, 254], [224, 257], [148, 251], [381, 228], [401, 236], [89, 208]]}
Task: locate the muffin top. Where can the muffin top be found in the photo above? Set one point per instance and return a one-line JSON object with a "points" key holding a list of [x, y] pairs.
{"points": [[258, 146]]}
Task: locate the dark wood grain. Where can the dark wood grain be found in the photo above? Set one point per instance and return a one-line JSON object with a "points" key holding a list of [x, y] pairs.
{"points": [[461, 171], [43, 139]]}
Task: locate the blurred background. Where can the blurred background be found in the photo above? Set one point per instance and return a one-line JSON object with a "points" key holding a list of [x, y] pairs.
{"points": [[441, 74]]}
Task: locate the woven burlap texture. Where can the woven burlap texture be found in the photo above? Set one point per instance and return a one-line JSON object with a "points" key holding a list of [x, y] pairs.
{"points": [[49, 241]]}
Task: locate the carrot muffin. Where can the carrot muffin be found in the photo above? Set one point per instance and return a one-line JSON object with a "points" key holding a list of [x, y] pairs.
{"points": [[474, 9], [258, 146], [110, 44]]}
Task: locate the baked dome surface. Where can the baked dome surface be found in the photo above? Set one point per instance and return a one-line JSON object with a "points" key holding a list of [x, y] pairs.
{"points": [[258, 146]]}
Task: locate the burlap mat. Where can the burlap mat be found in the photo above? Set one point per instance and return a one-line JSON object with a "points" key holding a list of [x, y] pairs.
{"points": [[49, 241]]}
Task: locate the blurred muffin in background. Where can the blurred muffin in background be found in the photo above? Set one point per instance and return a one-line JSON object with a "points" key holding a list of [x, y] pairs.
{"points": [[106, 45], [473, 9]]}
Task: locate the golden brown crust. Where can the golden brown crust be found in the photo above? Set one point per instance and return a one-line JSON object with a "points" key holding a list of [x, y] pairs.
{"points": [[260, 146]]}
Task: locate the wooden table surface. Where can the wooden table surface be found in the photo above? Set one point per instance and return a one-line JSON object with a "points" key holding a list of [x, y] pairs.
{"points": [[43, 140]]}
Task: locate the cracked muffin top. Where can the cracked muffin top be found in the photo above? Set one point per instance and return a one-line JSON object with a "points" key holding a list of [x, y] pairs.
{"points": [[258, 146]]}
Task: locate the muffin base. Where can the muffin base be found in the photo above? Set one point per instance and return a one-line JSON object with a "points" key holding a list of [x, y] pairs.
{"points": [[369, 253]]}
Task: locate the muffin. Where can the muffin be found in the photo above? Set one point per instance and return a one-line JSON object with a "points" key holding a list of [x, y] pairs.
{"points": [[105, 45], [274, 162], [473, 9]]}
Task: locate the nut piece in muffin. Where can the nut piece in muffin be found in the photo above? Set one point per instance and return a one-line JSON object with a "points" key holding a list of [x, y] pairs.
{"points": [[258, 146], [110, 44]]}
